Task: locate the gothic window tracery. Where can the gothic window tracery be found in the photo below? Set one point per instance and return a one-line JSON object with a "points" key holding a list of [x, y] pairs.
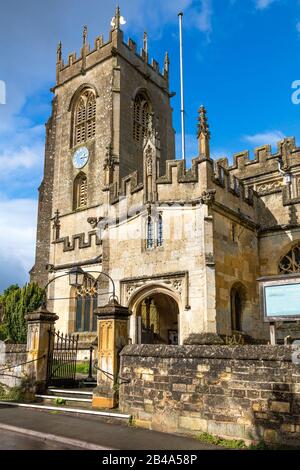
{"points": [[141, 118], [150, 238], [290, 263], [160, 239], [86, 303], [80, 191], [154, 232], [84, 117]]}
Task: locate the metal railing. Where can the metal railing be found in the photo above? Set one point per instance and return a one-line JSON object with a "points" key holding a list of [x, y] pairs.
{"points": [[110, 376], [18, 365]]}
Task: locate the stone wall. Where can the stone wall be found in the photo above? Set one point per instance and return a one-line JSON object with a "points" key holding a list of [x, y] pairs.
{"points": [[237, 265], [39, 273], [11, 356], [243, 392]]}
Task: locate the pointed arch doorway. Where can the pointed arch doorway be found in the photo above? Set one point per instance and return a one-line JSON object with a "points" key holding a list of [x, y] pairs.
{"points": [[155, 317]]}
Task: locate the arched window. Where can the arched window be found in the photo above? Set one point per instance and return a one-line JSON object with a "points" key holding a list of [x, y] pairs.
{"points": [[80, 192], [237, 300], [150, 238], [290, 263], [84, 119], [141, 117], [86, 303], [160, 239]]}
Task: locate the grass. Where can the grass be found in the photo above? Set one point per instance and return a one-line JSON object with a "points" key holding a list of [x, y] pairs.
{"points": [[15, 394], [218, 441], [82, 367], [238, 444]]}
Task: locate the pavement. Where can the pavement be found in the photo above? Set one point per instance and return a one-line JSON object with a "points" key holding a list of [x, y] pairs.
{"points": [[13, 441], [90, 433]]}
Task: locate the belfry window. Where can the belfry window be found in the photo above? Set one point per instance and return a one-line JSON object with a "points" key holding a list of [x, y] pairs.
{"points": [[150, 238], [141, 118], [80, 192], [86, 303], [290, 263], [84, 118]]}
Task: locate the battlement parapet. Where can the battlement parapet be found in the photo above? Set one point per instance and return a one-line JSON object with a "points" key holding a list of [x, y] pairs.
{"points": [[176, 172], [221, 176], [264, 161], [102, 51], [181, 174], [129, 185]]}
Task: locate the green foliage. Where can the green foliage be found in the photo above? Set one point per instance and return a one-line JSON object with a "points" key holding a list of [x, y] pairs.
{"points": [[60, 401], [82, 367], [17, 302], [19, 393], [260, 446], [218, 441]]}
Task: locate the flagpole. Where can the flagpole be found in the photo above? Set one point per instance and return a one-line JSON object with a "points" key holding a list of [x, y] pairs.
{"points": [[180, 15]]}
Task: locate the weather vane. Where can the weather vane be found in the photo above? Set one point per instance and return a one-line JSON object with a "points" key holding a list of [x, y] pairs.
{"points": [[117, 20]]}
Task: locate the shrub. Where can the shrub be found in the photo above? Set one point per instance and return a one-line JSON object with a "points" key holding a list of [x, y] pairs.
{"points": [[17, 302]]}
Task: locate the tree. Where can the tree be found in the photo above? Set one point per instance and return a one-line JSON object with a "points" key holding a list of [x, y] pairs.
{"points": [[17, 302]]}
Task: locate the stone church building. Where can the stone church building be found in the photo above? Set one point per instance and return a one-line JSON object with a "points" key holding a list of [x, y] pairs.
{"points": [[185, 247]]}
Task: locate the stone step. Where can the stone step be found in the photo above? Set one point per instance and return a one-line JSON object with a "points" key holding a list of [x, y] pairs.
{"points": [[73, 400], [71, 410], [63, 392]]}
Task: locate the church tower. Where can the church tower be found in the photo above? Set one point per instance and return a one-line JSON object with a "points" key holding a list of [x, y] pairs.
{"points": [[104, 102]]}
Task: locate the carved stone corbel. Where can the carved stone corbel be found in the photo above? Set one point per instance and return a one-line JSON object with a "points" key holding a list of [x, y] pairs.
{"points": [[208, 197]]}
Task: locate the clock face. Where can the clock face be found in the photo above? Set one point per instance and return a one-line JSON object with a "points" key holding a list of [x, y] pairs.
{"points": [[80, 157]]}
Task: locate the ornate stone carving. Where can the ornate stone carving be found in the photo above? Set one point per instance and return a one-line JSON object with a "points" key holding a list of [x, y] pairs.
{"points": [[177, 285], [56, 226], [94, 221], [149, 161], [209, 259], [111, 160], [59, 52], [290, 263], [269, 186], [208, 197], [129, 291]]}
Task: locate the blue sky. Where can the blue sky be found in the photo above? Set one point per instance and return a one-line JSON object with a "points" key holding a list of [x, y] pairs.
{"points": [[241, 57]]}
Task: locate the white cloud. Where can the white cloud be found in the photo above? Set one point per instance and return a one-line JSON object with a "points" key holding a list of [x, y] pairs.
{"points": [[203, 20], [22, 158], [17, 239], [155, 16], [264, 138], [263, 4]]}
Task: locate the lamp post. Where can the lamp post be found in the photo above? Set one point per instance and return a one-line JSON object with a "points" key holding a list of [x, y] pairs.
{"points": [[112, 320], [76, 277]]}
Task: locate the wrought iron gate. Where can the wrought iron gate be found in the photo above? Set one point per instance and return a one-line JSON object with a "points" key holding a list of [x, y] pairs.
{"points": [[62, 358]]}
